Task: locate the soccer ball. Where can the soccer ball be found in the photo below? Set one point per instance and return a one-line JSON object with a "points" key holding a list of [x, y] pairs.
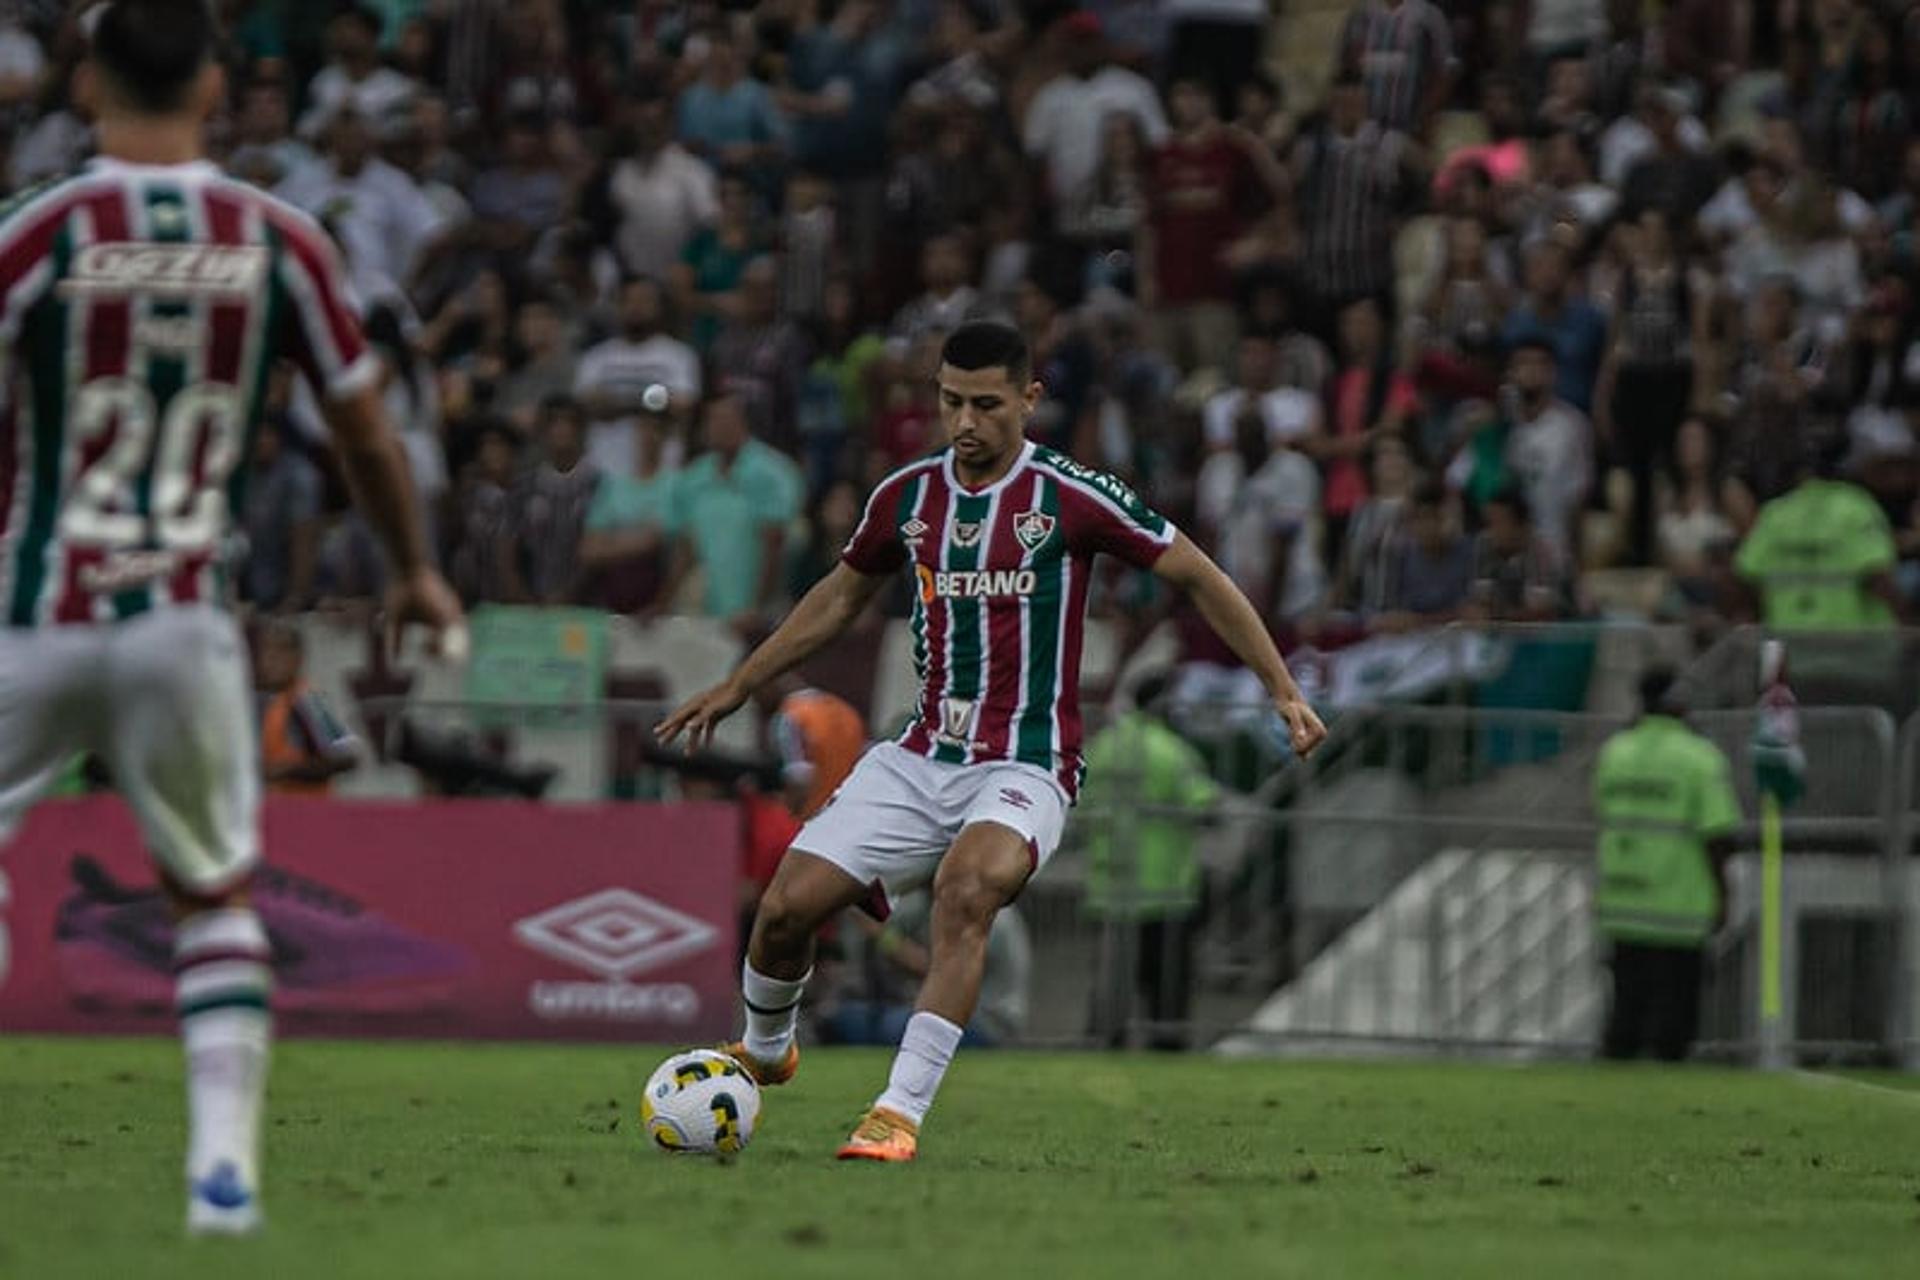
{"points": [[701, 1103]]}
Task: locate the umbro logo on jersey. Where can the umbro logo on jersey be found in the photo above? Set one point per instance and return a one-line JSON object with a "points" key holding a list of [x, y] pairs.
{"points": [[913, 529], [171, 269], [1032, 528], [966, 533]]}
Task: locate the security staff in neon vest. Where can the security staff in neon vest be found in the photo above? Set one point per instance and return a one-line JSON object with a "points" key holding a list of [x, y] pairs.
{"points": [[1664, 800]]}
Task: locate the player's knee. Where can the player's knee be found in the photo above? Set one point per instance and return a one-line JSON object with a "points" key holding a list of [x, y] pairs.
{"points": [[783, 922], [970, 899]]}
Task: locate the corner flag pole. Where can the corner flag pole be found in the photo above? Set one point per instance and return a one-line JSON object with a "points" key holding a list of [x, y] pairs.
{"points": [[1779, 767]]}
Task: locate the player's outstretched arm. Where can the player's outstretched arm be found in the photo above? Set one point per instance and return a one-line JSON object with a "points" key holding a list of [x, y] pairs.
{"points": [[376, 470], [1235, 620], [823, 613]]}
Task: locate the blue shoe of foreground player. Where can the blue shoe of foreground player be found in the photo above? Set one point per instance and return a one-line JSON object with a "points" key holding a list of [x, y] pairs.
{"points": [[220, 1204]]}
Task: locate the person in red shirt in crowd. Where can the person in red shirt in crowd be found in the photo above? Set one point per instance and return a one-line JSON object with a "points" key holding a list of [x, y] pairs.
{"points": [[1370, 399], [819, 738], [1202, 188]]}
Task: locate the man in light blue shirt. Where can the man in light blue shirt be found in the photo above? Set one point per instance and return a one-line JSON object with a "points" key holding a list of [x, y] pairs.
{"points": [[728, 117], [731, 509]]}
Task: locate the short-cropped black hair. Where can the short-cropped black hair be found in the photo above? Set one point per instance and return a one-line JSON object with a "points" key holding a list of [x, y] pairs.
{"points": [[988, 344], [153, 50]]}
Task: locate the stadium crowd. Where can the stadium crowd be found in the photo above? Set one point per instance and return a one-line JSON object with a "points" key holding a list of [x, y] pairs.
{"points": [[1529, 295]]}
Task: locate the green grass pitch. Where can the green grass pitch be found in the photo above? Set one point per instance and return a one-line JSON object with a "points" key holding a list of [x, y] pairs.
{"points": [[476, 1161]]}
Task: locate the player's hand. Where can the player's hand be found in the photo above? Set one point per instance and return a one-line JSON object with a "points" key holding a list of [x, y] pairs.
{"points": [[698, 718], [423, 598], [1304, 728]]}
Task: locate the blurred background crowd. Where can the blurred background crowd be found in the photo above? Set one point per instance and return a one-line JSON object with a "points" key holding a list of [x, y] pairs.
{"points": [[1410, 311]]}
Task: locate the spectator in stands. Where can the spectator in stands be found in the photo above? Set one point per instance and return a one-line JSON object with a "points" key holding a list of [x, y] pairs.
{"points": [[830, 524], [711, 265], [303, 745], [1373, 539], [727, 116], [1144, 878], [544, 363], [384, 221], [630, 523], [1350, 176], [1659, 113], [1430, 567], [1777, 372], [1200, 192], [1696, 528], [1289, 413], [480, 564], [836, 393], [23, 64], [525, 193], [732, 507], [613, 377], [1371, 400], [1066, 122], [549, 509], [281, 521], [1549, 446], [1664, 799], [1568, 194], [1577, 327], [353, 78], [1402, 50], [654, 196], [1671, 177], [1822, 556], [1257, 504], [1647, 383], [266, 152], [947, 300], [764, 355], [1517, 576]]}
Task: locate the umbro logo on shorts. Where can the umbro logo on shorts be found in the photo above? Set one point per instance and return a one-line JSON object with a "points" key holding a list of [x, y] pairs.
{"points": [[1016, 798]]}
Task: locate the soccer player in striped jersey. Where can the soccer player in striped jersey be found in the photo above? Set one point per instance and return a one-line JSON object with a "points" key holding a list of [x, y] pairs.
{"points": [[1000, 535], [143, 302]]}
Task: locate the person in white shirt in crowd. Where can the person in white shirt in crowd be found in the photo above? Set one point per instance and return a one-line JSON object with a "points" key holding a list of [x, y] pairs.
{"points": [[353, 76], [383, 220], [613, 377], [1633, 138], [1288, 413], [1549, 446], [1067, 120], [1258, 503], [23, 64], [658, 194]]}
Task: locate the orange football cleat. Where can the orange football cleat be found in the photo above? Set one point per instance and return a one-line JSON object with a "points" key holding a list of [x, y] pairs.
{"points": [[764, 1073], [884, 1135]]}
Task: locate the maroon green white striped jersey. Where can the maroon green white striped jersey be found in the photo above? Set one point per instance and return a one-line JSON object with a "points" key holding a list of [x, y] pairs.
{"points": [[141, 310], [1002, 576]]}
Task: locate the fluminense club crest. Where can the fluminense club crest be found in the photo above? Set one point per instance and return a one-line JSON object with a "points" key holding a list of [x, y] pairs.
{"points": [[1032, 528]]}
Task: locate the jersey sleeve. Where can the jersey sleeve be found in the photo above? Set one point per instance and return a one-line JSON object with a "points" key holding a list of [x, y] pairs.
{"points": [[875, 547], [324, 334], [1104, 515]]}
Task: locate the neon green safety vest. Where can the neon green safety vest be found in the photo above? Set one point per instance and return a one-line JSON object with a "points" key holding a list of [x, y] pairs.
{"points": [[1141, 866], [1660, 792]]}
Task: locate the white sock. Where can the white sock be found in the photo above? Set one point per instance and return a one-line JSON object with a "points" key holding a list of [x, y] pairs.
{"points": [[925, 1050], [773, 1006], [223, 979]]}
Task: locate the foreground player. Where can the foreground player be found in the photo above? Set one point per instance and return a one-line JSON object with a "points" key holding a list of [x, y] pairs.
{"points": [[142, 304], [1000, 535]]}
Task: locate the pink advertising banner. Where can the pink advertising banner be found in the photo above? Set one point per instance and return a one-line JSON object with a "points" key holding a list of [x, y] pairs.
{"points": [[482, 919]]}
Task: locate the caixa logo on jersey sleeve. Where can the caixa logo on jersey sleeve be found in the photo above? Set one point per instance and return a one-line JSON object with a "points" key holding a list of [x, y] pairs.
{"points": [[175, 269]]}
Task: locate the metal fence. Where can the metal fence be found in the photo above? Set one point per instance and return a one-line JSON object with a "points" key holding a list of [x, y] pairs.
{"points": [[1424, 884]]}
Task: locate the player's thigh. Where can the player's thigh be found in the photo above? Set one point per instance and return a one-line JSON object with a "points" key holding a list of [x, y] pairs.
{"points": [[807, 890], [887, 826], [1020, 814], [183, 747], [48, 704]]}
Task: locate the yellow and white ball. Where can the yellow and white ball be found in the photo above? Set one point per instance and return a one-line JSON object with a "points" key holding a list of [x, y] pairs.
{"points": [[700, 1103]]}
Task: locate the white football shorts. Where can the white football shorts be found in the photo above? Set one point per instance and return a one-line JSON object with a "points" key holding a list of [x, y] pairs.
{"points": [[897, 813], [164, 699]]}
